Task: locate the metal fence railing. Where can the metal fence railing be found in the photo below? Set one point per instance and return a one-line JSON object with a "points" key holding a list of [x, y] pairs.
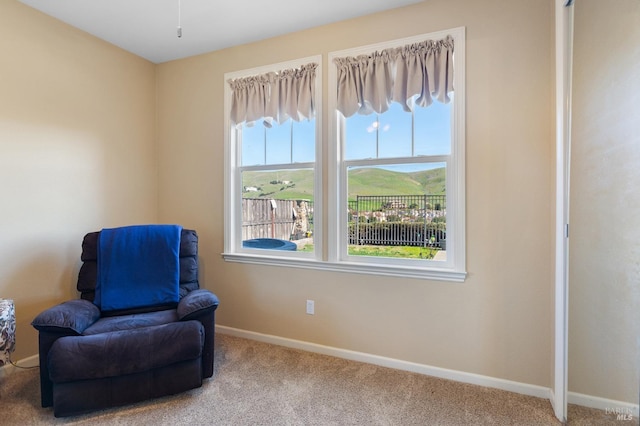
{"points": [[414, 220]]}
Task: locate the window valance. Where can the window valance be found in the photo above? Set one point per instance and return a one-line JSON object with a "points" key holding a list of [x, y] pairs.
{"points": [[274, 96], [414, 74]]}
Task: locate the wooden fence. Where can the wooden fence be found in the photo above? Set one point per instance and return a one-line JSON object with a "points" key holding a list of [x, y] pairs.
{"points": [[281, 219]]}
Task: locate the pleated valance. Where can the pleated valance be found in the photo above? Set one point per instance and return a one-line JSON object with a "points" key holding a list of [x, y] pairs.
{"points": [[274, 96], [414, 74]]}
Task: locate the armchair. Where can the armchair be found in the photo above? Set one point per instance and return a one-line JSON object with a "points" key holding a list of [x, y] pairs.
{"points": [[129, 337]]}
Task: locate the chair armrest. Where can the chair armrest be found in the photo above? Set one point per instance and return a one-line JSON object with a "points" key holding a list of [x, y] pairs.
{"points": [[195, 303], [66, 319], [72, 317], [201, 305]]}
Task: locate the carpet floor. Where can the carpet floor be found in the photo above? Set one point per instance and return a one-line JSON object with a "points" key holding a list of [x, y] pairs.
{"points": [[261, 384]]}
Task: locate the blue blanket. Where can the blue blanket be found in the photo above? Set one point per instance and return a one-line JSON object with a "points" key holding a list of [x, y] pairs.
{"points": [[138, 266]]}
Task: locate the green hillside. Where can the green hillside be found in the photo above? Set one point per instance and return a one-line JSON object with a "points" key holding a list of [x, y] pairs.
{"points": [[284, 185], [298, 184], [433, 181]]}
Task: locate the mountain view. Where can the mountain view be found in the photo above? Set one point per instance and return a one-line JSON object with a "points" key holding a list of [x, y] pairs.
{"points": [[298, 184]]}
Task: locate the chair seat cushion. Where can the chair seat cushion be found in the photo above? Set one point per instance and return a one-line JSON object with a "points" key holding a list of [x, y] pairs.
{"points": [[131, 322], [124, 352]]}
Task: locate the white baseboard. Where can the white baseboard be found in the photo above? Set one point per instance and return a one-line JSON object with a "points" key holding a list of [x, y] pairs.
{"points": [[443, 373], [609, 405]]}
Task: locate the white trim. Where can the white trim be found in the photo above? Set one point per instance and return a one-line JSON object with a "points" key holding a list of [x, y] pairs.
{"points": [[602, 403], [443, 373], [456, 176], [563, 21], [357, 268]]}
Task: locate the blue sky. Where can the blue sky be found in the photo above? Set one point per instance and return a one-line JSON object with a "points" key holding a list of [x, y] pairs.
{"points": [[393, 130]]}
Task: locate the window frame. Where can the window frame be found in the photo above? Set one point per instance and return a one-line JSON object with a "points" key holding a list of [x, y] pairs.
{"points": [[233, 249], [328, 215], [454, 268]]}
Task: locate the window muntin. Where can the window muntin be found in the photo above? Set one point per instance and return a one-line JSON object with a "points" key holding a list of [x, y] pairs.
{"points": [[425, 131], [379, 135], [273, 143]]}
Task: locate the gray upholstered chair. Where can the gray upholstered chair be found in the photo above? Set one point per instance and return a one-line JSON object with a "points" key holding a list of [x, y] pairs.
{"points": [[135, 339]]}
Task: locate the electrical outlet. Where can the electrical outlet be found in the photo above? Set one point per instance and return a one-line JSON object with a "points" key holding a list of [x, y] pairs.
{"points": [[310, 307]]}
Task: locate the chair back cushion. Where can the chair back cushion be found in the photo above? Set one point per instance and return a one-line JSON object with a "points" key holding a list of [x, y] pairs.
{"points": [[188, 265]]}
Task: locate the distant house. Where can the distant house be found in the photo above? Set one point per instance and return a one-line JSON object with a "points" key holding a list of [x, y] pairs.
{"points": [[250, 189], [379, 216], [394, 204]]}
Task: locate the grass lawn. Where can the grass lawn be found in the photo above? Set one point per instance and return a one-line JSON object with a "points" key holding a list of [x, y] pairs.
{"points": [[404, 252]]}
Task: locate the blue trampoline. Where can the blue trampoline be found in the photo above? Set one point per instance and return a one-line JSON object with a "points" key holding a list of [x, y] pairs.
{"points": [[269, 244]]}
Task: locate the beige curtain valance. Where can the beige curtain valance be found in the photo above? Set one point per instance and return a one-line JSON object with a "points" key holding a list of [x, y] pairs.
{"points": [[414, 74], [274, 96]]}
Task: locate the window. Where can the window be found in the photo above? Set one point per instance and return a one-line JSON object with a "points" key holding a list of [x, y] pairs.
{"points": [[399, 169], [271, 160], [394, 165]]}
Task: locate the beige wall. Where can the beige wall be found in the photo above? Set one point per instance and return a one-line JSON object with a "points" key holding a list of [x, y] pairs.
{"points": [[77, 153], [499, 322], [77, 134], [604, 283]]}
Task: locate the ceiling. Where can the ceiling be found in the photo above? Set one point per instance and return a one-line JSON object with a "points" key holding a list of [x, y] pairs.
{"points": [[148, 28]]}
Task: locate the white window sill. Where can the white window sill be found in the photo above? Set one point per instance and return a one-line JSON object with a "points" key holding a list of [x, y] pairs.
{"points": [[357, 268]]}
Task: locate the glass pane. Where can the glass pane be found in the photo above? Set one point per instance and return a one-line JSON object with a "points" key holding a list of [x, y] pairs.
{"points": [[277, 209], [360, 136], [304, 137], [397, 211], [252, 144], [394, 132], [433, 129], [278, 143]]}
